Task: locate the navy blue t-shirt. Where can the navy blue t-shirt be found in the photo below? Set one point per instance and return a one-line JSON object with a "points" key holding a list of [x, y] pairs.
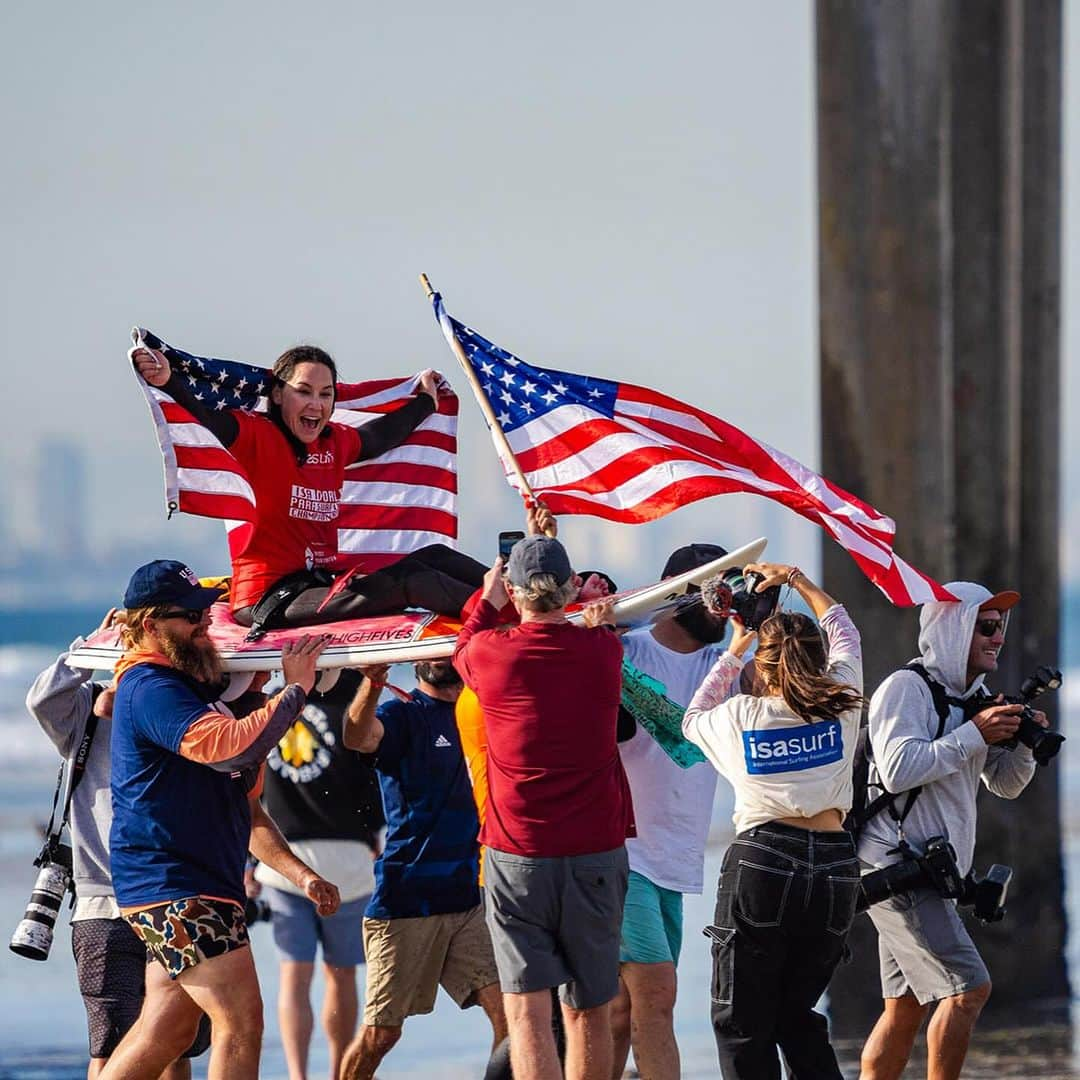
{"points": [[179, 828], [430, 864]]}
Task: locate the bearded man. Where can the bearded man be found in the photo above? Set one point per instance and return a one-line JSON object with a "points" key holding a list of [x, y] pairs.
{"points": [[186, 776]]}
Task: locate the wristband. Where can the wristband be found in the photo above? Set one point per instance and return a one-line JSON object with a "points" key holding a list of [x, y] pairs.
{"points": [[793, 574]]}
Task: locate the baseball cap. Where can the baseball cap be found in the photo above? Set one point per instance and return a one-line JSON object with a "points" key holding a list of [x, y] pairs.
{"points": [[1001, 601], [691, 557], [166, 581], [538, 555]]}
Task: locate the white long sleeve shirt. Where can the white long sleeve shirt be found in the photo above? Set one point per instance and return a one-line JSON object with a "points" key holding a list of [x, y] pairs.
{"points": [[903, 723], [779, 765]]}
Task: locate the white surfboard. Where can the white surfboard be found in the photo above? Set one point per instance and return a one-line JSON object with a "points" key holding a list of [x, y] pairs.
{"points": [[395, 639]]}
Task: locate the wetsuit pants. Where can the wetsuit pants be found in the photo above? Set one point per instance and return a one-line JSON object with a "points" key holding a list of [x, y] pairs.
{"points": [[435, 578]]}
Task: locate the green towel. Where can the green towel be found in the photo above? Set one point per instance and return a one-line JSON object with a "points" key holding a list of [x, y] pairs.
{"points": [[645, 699]]}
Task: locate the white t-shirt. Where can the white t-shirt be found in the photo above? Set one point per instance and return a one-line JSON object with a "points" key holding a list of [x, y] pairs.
{"points": [[348, 864], [672, 805], [779, 765]]}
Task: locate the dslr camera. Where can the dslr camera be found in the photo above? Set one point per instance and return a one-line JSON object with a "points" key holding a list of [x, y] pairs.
{"points": [[732, 593], [936, 867], [33, 936], [1043, 744]]}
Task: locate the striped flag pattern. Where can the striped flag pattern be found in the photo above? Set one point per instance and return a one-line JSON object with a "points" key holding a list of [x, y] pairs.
{"points": [[613, 450], [391, 505]]}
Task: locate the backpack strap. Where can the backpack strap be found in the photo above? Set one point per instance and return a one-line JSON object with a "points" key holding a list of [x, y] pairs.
{"points": [[942, 702]]}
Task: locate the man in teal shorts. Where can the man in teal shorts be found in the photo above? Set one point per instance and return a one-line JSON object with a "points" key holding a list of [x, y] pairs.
{"points": [[673, 806]]}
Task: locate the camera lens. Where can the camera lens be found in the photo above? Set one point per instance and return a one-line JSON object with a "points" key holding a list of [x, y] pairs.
{"points": [[34, 934]]}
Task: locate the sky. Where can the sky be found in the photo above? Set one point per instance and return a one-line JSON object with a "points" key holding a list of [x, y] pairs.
{"points": [[596, 187]]}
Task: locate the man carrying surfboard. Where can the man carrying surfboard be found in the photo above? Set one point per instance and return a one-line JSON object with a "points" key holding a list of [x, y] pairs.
{"points": [[186, 776], [559, 807]]}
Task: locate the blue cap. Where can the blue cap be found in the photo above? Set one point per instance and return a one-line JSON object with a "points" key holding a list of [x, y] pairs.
{"points": [[166, 581]]}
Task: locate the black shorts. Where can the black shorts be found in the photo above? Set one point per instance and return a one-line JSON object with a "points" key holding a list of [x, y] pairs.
{"points": [[111, 964]]}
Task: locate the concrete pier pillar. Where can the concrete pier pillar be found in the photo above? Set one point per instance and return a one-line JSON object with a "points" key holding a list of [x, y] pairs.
{"points": [[939, 170]]}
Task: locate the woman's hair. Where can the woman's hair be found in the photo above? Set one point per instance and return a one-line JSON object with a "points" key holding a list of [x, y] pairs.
{"points": [[290, 359], [543, 593], [791, 658]]}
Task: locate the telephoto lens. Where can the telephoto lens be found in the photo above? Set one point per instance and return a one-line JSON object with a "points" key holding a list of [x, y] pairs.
{"points": [[33, 936]]}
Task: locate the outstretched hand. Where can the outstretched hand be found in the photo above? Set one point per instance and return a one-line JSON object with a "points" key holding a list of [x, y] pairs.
{"points": [[298, 659], [152, 365]]}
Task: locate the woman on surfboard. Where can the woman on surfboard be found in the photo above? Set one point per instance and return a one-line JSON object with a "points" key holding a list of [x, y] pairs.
{"points": [[295, 457], [789, 880]]}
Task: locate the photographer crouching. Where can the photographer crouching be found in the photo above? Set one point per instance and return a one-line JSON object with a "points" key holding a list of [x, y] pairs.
{"points": [[932, 738]]}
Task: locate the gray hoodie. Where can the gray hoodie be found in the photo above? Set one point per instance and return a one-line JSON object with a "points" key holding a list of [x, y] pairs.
{"points": [[903, 722], [61, 700]]}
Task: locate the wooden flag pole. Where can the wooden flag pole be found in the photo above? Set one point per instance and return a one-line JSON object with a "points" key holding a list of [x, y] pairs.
{"points": [[485, 405]]}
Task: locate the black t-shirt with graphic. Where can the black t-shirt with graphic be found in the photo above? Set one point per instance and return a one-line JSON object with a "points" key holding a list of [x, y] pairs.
{"points": [[316, 788]]}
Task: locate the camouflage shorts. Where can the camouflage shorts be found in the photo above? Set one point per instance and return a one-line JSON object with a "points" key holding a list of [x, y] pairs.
{"points": [[182, 933]]}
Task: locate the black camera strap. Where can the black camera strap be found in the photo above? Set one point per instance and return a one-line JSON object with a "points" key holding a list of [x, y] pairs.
{"points": [[76, 765]]}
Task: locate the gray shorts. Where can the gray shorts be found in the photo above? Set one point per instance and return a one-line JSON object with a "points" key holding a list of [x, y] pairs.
{"points": [[556, 922], [924, 948]]}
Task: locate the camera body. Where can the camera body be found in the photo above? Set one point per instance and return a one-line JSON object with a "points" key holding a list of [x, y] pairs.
{"points": [[986, 895], [1043, 744], [33, 936], [936, 867], [732, 593]]}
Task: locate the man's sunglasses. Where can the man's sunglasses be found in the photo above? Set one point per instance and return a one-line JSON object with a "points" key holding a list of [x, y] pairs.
{"points": [[987, 628], [193, 617]]}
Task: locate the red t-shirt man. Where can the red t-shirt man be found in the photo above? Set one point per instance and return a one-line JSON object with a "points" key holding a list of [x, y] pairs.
{"points": [[550, 695]]}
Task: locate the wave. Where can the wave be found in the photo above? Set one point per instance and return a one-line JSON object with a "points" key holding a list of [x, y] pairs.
{"points": [[24, 743]]}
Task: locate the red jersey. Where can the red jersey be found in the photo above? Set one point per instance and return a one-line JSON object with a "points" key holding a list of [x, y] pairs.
{"points": [[550, 695], [296, 505]]}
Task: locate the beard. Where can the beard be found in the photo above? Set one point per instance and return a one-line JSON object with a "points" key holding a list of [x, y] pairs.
{"points": [[701, 624], [197, 657], [439, 673]]}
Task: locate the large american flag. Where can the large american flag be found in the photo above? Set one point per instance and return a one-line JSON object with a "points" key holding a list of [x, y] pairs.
{"points": [[391, 505], [613, 450]]}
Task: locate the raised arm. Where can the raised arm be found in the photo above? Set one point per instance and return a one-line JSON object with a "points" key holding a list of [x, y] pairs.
{"points": [[383, 434], [818, 600], [228, 744], [153, 365], [363, 730], [62, 697]]}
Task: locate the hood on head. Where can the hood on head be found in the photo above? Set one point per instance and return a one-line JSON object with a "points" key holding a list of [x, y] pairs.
{"points": [[945, 631]]}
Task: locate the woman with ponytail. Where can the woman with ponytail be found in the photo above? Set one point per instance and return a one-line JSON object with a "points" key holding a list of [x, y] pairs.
{"points": [[789, 881]]}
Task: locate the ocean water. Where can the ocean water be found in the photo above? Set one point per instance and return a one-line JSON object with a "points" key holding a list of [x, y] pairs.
{"points": [[42, 1025]]}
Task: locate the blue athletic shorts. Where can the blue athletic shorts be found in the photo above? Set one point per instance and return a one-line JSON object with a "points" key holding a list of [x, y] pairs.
{"points": [[652, 924], [298, 928]]}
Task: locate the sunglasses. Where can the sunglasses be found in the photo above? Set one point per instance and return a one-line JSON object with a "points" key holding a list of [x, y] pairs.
{"points": [[987, 628], [193, 617]]}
